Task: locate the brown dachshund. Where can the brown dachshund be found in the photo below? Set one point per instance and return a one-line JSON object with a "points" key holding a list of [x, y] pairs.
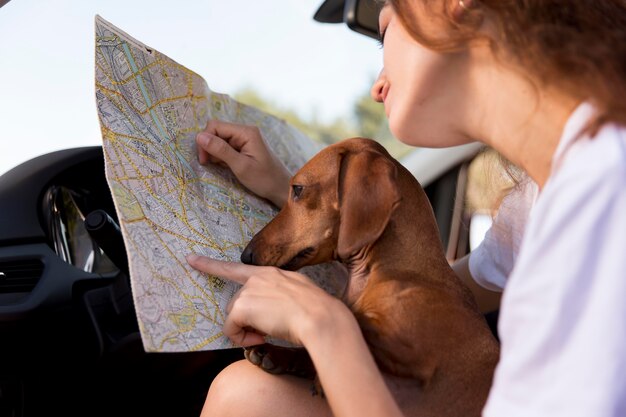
{"points": [[354, 203]]}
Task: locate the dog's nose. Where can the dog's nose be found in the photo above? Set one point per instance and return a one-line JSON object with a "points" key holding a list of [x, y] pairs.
{"points": [[247, 256]]}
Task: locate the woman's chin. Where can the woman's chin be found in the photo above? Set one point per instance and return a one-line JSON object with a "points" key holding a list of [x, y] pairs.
{"points": [[425, 135]]}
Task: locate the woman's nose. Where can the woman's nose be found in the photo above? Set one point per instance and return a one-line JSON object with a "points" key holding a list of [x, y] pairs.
{"points": [[377, 88]]}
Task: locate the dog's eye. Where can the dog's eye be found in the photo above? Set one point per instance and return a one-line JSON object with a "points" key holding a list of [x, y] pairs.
{"points": [[297, 190]]}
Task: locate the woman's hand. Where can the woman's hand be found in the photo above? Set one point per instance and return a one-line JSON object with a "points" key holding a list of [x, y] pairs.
{"points": [[244, 151], [287, 305], [283, 304]]}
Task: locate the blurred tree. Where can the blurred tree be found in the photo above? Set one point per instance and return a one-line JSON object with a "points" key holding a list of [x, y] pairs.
{"points": [[325, 133], [372, 123], [369, 120]]}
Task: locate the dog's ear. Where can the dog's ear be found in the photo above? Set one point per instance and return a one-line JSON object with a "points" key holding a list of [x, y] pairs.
{"points": [[368, 194]]}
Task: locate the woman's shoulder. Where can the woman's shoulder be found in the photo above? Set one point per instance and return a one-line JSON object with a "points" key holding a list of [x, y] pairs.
{"points": [[588, 181], [598, 157], [607, 148]]}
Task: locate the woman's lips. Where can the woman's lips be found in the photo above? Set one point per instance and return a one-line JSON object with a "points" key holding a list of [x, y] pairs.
{"points": [[383, 95], [384, 92]]}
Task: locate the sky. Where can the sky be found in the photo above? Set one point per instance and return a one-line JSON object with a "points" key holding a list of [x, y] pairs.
{"points": [[47, 95]]}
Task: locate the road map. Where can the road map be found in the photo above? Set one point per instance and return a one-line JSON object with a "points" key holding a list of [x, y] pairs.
{"points": [[150, 109]]}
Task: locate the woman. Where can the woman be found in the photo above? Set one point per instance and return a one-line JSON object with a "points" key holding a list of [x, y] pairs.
{"points": [[540, 81]]}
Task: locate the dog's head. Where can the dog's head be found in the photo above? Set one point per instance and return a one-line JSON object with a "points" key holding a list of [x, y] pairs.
{"points": [[339, 203]]}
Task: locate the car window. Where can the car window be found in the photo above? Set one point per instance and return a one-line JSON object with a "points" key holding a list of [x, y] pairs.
{"points": [[490, 178], [273, 48]]}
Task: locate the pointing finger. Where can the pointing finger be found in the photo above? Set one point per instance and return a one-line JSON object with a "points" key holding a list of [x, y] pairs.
{"points": [[233, 271]]}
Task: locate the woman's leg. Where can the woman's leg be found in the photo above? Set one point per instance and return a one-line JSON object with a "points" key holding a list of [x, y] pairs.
{"points": [[243, 389]]}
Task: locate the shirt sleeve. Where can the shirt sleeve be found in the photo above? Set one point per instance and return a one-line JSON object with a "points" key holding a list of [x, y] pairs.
{"points": [[491, 263]]}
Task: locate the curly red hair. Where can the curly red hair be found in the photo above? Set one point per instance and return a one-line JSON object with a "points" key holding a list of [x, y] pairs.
{"points": [[578, 46]]}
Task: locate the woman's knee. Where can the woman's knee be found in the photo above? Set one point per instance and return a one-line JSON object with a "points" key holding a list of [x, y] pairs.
{"points": [[242, 389], [230, 390]]}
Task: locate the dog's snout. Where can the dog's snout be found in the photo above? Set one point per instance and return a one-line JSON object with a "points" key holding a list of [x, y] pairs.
{"points": [[247, 256]]}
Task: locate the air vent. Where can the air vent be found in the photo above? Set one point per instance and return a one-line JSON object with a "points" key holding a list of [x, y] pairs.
{"points": [[20, 276]]}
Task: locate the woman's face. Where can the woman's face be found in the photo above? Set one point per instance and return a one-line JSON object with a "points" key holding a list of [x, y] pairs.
{"points": [[425, 92]]}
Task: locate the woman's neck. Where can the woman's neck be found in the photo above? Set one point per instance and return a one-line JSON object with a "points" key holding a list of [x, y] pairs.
{"points": [[521, 120]]}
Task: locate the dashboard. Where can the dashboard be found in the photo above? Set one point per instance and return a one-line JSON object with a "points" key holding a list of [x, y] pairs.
{"points": [[70, 342], [45, 249]]}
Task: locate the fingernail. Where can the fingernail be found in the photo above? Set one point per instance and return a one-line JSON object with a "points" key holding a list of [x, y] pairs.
{"points": [[204, 138], [192, 258]]}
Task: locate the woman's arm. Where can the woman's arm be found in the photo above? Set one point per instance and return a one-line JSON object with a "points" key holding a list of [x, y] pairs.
{"points": [[487, 300], [289, 306], [351, 380]]}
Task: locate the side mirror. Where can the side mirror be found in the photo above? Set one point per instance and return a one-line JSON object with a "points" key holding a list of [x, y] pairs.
{"points": [[362, 16]]}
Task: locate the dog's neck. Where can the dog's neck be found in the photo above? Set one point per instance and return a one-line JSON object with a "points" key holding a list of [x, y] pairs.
{"points": [[410, 243], [358, 266]]}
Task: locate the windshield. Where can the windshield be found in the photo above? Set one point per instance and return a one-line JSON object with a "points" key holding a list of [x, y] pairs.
{"points": [[271, 53]]}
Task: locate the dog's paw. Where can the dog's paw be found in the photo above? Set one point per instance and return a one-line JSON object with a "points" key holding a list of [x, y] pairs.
{"points": [[259, 356], [281, 360]]}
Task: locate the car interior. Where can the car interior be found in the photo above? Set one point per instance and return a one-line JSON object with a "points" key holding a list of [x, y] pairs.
{"points": [[70, 339]]}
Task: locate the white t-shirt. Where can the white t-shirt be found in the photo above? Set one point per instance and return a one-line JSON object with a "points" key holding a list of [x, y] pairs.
{"points": [[562, 320]]}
